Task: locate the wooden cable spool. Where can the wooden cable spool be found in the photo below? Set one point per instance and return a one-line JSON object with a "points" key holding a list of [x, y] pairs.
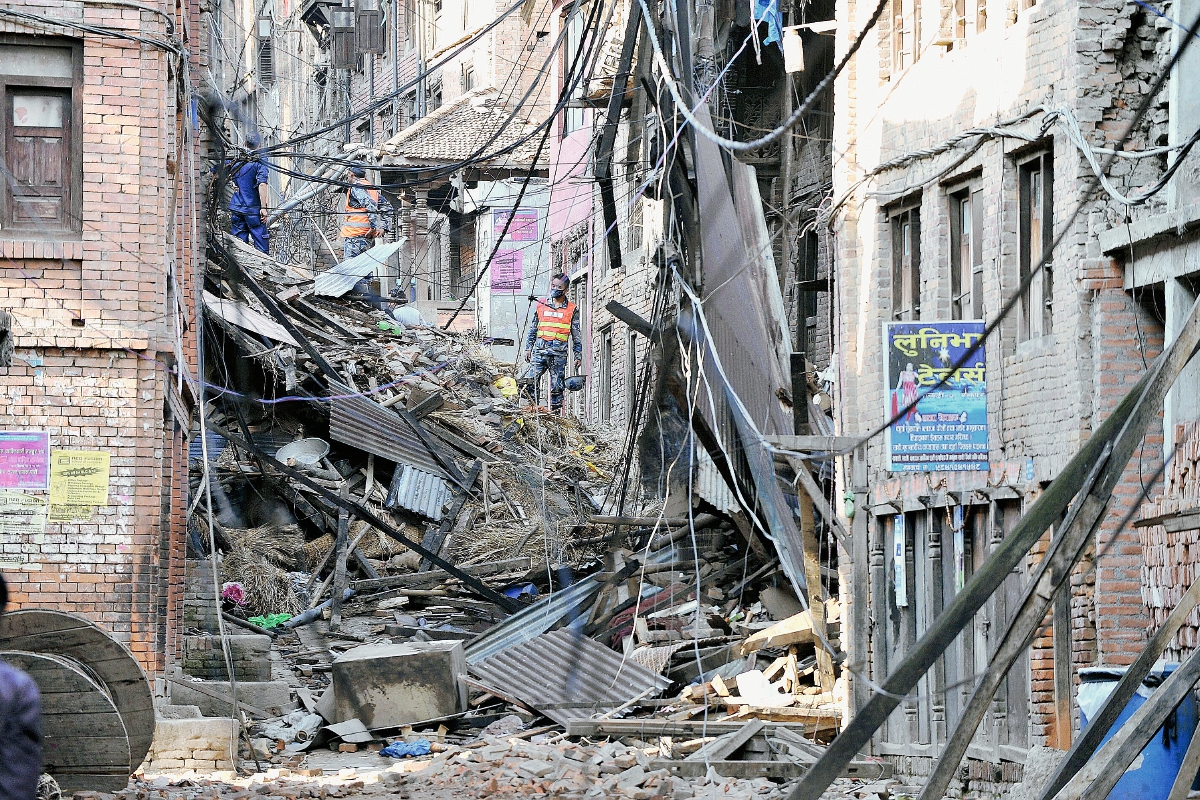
{"points": [[97, 705]]}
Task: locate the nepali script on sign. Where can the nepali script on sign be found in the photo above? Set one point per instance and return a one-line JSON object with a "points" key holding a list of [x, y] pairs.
{"points": [[945, 429]]}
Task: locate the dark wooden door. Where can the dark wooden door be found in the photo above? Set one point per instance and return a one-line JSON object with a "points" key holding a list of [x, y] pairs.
{"points": [[37, 152]]}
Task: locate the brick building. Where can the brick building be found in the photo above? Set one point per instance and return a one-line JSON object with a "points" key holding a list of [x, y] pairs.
{"points": [[961, 130], [97, 261]]}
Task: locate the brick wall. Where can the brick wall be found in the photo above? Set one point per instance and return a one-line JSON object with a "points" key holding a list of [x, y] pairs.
{"points": [[96, 319], [1046, 395]]}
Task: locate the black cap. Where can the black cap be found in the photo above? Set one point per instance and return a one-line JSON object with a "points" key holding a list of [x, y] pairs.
{"points": [[358, 172]]}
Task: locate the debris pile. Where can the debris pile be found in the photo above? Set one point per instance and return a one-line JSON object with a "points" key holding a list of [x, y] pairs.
{"points": [[432, 561]]}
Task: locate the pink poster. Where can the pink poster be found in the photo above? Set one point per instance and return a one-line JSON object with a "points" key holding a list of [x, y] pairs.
{"points": [[506, 271], [24, 460], [523, 228]]}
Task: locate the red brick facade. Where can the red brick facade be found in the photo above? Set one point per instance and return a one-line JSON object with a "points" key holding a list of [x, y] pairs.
{"points": [[102, 318]]}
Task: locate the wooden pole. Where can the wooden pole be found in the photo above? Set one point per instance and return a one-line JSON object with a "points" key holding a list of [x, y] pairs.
{"points": [[339, 569], [816, 593], [860, 581], [1076, 530], [1101, 773], [1089, 738], [1187, 770]]}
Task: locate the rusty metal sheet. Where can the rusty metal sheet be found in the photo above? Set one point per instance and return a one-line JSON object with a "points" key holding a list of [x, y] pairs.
{"points": [[363, 423], [567, 676], [418, 491]]}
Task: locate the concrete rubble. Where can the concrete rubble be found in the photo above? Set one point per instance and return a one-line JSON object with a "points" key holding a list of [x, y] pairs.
{"points": [[423, 563]]}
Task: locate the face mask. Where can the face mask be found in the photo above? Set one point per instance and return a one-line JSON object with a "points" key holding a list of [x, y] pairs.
{"points": [[558, 291]]}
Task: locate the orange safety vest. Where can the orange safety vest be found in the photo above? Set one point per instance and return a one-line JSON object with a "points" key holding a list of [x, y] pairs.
{"points": [[554, 324], [357, 221]]}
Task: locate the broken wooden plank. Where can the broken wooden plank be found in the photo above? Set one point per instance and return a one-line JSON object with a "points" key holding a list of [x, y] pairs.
{"points": [[797, 629], [780, 770], [814, 444], [653, 727], [417, 580]]}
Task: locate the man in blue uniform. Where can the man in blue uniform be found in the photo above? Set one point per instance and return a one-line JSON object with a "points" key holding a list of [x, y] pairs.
{"points": [[20, 728], [555, 319], [248, 206]]}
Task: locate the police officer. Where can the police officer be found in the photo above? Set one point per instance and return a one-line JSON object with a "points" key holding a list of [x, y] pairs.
{"points": [[366, 215], [546, 344]]}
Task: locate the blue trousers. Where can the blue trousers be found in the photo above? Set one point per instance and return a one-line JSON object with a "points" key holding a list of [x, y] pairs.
{"points": [[356, 245], [544, 359], [250, 229]]}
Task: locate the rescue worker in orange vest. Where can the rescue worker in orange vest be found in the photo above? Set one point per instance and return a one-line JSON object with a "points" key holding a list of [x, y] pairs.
{"points": [[546, 344], [366, 215]]}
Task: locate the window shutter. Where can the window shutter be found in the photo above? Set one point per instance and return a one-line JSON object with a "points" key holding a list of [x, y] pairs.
{"points": [[266, 51], [341, 38], [369, 30]]}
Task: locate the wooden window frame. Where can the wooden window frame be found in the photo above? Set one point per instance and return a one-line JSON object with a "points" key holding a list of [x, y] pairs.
{"points": [[906, 262], [574, 117], [966, 253], [1035, 201], [605, 367], [906, 34], [72, 228]]}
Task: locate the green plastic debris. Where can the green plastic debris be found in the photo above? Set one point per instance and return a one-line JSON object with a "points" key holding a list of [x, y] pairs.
{"points": [[270, 621]]}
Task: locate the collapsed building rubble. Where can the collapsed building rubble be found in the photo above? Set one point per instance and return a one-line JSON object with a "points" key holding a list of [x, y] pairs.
{"points": [[404, 550]]}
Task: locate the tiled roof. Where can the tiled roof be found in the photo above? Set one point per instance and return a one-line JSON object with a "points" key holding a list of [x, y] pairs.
{"points": [[457, 130]]}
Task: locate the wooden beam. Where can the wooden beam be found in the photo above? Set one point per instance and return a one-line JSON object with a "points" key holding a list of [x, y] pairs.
{"points": [[816, 591], [1052, 571], [726, 745], [339, 565], [814, 444], [1099, 725], [1101, 773], [818, 500], [1187, 771]]}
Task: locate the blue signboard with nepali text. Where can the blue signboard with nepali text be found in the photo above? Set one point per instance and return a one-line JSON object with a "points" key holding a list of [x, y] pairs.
{"points": [[939, 429]]}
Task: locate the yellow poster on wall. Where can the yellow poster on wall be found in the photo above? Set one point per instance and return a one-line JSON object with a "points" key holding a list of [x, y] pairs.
{"points": [[79, 477]]}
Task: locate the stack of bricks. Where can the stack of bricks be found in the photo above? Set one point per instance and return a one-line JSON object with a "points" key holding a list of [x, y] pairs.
{"points": [[202, 744], [1171, 560], [204, 657]]}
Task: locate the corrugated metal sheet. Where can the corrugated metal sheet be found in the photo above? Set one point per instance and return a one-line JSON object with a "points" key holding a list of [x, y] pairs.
{"points": [[244, 316], [533, 621], [711, 486], [421, 492], [543, 615], [216, 444], [337, 281], [567, 676], [363, 423]]}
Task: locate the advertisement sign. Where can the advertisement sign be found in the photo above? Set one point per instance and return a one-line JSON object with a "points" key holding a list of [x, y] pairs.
{"points": [[506, 271], [22, 514], [79, 478], [945, 430], [523, 228], [25, 460]]}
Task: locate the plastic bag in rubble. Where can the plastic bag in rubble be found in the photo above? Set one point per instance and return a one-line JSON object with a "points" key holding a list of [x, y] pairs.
{"points": [[298, 726], [507, 387], [420, 747]]}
